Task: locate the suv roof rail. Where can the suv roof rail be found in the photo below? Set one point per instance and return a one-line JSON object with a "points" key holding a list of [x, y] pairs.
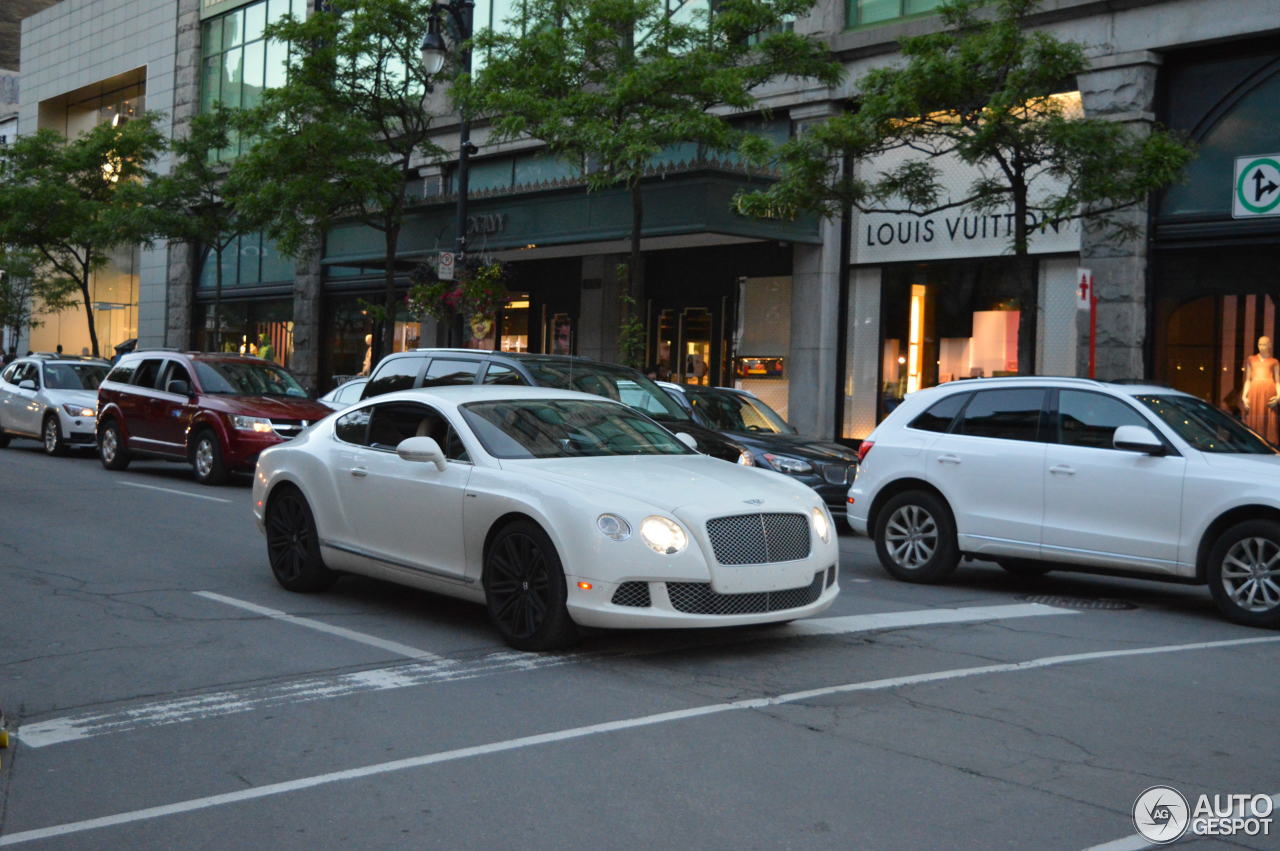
{"points": [[1087, 382], [156, 349]]}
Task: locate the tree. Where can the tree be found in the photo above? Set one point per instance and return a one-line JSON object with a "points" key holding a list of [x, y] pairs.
{"points": [[337, 140], [72, 201], [608, 84], [983, 90], [26, 297], [189, 202]]}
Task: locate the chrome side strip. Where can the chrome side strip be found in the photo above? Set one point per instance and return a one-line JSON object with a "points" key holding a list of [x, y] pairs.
{"points": [[1074, 550], [357, 551]]}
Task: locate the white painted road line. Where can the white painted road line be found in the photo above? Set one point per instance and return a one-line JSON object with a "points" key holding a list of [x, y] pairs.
{"points": [[56, 731], [273, 789], [1137, 841], [350, 634], [175, 490]]}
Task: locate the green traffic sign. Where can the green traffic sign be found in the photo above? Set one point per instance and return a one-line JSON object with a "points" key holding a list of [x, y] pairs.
{"points": [[1258, 187]]}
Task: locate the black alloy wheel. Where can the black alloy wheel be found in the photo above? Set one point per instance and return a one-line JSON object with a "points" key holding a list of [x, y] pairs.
{"points": [[525, 589], [53, 442], [293, 547]]}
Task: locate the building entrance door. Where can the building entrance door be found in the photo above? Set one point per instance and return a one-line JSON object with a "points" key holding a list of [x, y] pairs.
{"points": [[689, 345]]}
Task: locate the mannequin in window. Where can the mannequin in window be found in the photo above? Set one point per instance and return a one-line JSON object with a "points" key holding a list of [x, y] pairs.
{"points": [[1261, 392]]}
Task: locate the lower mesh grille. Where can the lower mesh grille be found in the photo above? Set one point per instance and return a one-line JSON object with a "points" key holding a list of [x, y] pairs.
{"points": [[697, 598], [635, 594]]}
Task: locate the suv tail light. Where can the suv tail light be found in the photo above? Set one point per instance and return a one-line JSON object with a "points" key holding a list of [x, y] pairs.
{"points": [[864, 448]]}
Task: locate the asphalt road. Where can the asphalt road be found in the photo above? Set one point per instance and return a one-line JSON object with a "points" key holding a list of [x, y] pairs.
{"points": [[164, 692]]}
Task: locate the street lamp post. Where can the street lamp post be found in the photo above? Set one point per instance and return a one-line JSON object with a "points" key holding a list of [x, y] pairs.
{"points": [[434, 53]]}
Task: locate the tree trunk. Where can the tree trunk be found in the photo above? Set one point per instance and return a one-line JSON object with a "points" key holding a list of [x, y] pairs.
{"points": [[88, 302], [635, 276], [1027, 285], [382, 341], [217, 300]]}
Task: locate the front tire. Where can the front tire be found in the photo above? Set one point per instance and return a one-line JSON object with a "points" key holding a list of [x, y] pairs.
{"points": [[206, 459], [111, 448], [916, 538], [293, 546], [525, 589], [53, 442], [1244, 573]]}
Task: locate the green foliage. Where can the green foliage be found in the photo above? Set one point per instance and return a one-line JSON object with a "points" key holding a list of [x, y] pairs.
{"points": [[610, 83], [478, 294], [983, 91], [70, 202], [631, 336], [26, 297]]}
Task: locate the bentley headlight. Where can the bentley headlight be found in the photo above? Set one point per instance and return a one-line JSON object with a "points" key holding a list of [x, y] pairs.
{"points": [[821, 524], [262, 425], [787, 464], [663, 535], [613, 527]]}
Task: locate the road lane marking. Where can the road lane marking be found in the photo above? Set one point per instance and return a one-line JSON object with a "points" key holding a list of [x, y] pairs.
{"points": [[175, 490], [200, 707], [1137, 841], [298, 784], [349, 634]]}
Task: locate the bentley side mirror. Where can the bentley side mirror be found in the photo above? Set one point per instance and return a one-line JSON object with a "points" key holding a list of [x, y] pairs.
{"points": [[423, 450], [687, 439], [1133, 438]]}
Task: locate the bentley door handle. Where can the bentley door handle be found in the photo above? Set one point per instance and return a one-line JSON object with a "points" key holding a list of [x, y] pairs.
{"points": [[948, 459], [1063, 469], [359, 472]]}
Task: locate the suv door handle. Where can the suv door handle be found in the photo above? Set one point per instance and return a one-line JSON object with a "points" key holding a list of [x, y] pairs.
{"points": [[359, 472], [948, 459], [1062, 469]]}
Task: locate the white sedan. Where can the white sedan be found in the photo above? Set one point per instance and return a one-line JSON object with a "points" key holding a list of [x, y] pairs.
{"points": [[556, 509]]}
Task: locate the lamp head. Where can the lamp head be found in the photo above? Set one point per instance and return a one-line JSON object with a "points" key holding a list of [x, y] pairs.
{"points": [[433, 48]]}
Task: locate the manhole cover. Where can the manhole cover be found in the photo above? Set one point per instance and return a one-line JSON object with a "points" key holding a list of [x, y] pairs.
{"points": [[1063, 602]]}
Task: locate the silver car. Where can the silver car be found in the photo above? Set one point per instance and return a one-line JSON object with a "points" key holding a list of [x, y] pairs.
{"points": [[51, 399]]}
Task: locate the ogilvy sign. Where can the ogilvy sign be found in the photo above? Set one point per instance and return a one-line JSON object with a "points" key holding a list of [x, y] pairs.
{"points": [[955, 233]]}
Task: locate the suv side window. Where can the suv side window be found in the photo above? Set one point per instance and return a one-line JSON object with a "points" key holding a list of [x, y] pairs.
{"points": [[394, 374], [397, 421], [122, 372], [353, 426], [443, 372], [941, 414], [499, 374], [1012, 414], [147, 373], [22, 372], [10, 373], [1091, 419], [175, 372]]}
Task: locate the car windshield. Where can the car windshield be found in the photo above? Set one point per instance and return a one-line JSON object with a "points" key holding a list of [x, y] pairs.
{"points": [[74, 376], [735, 412], [1205, 427], [566, 428], [612, 382], [246, 378]]}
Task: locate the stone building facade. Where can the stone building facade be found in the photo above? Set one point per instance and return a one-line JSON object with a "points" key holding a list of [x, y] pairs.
{"points": [[825, 319]]}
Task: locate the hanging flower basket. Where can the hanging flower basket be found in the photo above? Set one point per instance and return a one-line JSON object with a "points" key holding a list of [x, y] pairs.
{"points": [[476, 296]]}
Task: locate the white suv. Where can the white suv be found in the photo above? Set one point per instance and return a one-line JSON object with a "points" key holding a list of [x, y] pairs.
{"points": [[51, 399], [1042, 474]]}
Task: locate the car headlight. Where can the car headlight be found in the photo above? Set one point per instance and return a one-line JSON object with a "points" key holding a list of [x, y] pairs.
{"points": [[787, 464], [663, 535], [79, 411], [821, 524], [745, 459], [262, 425], [613, 527]]}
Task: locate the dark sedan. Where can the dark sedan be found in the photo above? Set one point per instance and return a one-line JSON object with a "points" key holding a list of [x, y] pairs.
{"points": [[742, 417]]}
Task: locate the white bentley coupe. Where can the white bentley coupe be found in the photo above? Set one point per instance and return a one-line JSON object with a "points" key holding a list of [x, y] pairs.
{"points": [[555, 509]]}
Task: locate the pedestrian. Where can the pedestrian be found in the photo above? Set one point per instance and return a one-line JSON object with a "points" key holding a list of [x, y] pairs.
{"points": [[59, 350]]}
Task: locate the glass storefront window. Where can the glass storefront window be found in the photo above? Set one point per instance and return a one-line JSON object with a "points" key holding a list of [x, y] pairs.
{"points": [[944, 321], [261, 329], [348, 332]]}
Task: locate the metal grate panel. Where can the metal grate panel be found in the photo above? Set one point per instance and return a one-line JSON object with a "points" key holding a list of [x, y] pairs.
{"points": [[759, 538], [634, 594], [697, 598]]}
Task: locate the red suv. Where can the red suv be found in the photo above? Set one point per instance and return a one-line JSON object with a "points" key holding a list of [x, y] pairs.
{"points": [[215, 411]]}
